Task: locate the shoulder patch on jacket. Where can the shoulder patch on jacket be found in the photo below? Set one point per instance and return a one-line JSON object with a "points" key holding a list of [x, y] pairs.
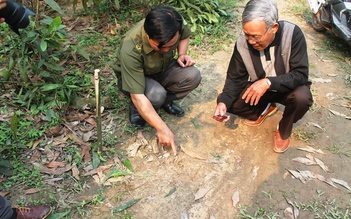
{"points": [[138, 47]]}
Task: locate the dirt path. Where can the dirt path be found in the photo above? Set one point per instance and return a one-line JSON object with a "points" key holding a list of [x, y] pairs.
{"points": [[234, 157]]}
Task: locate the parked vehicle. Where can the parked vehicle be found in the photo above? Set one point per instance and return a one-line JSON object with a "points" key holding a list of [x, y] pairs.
{"points": [[332, 15]]}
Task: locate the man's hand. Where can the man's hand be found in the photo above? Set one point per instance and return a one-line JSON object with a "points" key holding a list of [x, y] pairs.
{"points": [[221, 111], [254, 93], [164, 134], [166, 138], [2, 5], [185, 60]]}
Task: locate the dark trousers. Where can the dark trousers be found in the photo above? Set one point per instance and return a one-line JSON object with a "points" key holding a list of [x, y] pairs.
{"points": [[174, 84], [6, 211], [296, 102]]}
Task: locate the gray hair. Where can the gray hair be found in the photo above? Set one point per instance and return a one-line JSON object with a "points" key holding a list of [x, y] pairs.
{"points": [[265, 10]]}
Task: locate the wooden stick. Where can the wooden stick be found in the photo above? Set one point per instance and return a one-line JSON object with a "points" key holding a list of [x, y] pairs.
{"points": [[98, 108]]}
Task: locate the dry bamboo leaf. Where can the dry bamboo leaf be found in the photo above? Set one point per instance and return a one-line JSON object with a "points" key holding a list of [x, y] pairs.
{"points": [[91, 121], [323, 179], [311, 150], [322, 165], [52, 181], [184, 215], [297, 175], [303, 176], [191, 153], [341, 182], [58, 171], [321, 80], [85, 153], [308, 175], [316, 125], [75, 171], [295, 211], [49, 153], [288, 213], [304, 160], [332, 75], [339, 114], [97, 179], [76, 139], [30, 191], [86, 136], [309, 156], [35, 143], [236, 198], [55, 164], [3, 193], [35, 156], [201, 193], [132, 149]]}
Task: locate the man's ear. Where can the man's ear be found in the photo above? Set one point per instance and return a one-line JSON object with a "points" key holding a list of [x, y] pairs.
{"points": [[275, 27]]}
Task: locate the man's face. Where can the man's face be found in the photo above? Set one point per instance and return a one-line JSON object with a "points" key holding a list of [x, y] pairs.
{"points": [[258, 35], [166, 47]]}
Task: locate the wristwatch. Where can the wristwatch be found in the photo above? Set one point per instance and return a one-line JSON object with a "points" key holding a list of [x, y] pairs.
{"points": [[269, 82]]}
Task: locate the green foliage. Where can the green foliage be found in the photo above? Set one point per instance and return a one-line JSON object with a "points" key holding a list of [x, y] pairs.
{"points": [[37, 53], [25, 174], [200, 13]]}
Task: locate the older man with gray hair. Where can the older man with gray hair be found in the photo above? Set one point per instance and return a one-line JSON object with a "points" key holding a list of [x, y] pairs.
{"points": [[269, 65]]}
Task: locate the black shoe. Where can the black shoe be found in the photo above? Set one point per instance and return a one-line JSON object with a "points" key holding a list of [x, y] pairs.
{"points": [[135, 118], [172, 108]]}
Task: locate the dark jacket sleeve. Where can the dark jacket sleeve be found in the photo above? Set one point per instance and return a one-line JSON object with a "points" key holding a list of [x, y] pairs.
{"points": [[237, 78], [298, 74]]}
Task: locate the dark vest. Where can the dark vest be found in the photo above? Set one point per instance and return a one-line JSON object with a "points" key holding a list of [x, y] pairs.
{"points": [[242, 46]]}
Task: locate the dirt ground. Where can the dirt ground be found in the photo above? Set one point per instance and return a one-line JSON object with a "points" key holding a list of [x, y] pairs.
{"points": [[221, 160]]}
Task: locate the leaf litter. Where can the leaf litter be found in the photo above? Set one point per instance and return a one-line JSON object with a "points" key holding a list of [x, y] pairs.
{"points": [[294, 211], [312, 150], [310, 160], [306, 175]]}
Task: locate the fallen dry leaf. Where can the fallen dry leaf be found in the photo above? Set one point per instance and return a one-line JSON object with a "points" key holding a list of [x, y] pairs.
{"points": [[35, 143], [91, 121], [86, 136], [184, 215], [311, 150], [236, 198], [341, 182], [35, 156], [288, 213], [75, 171], [58, 171], [201, 193], [3, 193], [316, 125], [339, 114], [295, 211], [132, 149], [55, 164], [191, 153], [323, 179], [85, 153], [52, 181], [30, 191], [304, 160], [302, 177], [322, 165], [321, 80]]}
